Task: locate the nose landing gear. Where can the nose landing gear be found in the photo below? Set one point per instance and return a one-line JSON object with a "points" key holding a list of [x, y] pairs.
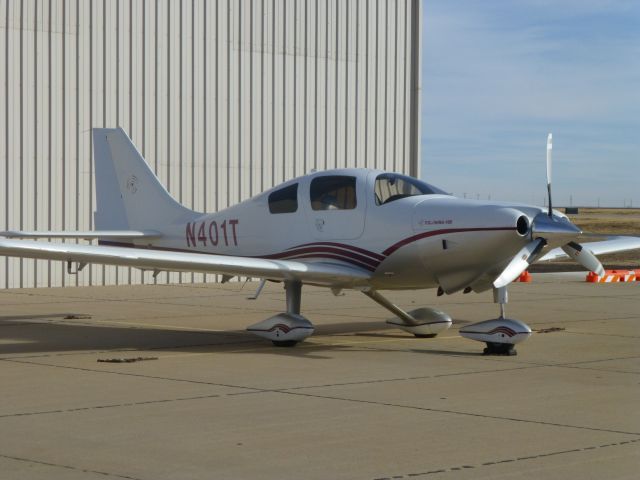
{"points": [[500, 334]]}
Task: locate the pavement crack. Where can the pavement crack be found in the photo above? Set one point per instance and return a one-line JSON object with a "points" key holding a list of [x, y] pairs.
{"points": [[455, 412], [68, 467], [584, 362], [112, 405], [138, 375], [491, 463], [404, 379]]}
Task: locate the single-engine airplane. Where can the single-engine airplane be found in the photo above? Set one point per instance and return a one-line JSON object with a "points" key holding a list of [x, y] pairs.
{"points": [[360, 229]]}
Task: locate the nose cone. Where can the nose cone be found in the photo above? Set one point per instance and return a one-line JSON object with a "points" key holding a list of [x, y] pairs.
{"points": [[557, 230]]}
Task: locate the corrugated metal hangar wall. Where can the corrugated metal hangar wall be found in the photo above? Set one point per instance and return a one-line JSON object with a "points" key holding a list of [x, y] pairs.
{"points": [[223, 98]]}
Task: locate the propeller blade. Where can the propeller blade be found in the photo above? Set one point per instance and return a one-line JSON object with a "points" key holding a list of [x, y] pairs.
{"points": [[519, 263], [584, 257], [549, 150]]}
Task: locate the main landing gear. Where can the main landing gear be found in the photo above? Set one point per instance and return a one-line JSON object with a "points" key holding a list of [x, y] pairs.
{"points": [[288, 328], [422, 322]]}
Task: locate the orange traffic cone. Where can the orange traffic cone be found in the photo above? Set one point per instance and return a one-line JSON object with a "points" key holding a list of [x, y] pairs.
{"points": [[625, 275], [609, 277], [525, 277]]}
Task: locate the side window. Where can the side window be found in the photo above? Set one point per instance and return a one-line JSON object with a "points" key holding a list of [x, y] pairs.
{"points": [[284, 200], [333, 193]]}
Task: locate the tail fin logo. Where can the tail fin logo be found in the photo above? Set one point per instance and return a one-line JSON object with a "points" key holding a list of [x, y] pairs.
{"points": [[132, 184]]}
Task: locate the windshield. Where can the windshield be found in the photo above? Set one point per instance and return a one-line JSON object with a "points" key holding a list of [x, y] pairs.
{"points": [[393, 186]]}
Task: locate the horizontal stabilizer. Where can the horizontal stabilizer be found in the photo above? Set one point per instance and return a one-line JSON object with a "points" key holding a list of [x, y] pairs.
{"points": [[88, 235]]}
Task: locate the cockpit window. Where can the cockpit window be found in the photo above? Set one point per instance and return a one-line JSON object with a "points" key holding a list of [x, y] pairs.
{"points": [[284, 200], [392, 186], [334, 192]]}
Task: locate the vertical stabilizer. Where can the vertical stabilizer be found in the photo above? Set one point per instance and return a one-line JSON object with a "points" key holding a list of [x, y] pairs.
{"points": [[128, 194]]}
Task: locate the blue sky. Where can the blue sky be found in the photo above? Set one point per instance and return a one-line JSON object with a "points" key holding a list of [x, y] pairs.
{"points": [[498, 75]]}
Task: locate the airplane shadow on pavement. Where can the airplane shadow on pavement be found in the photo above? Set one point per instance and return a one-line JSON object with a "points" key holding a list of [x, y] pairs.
{"points": [[42, 334]]}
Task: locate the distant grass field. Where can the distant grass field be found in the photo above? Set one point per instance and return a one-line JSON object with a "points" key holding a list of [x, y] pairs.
{"points": [[615, 221]]}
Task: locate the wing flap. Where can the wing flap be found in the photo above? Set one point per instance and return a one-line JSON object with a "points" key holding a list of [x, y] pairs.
{"points": [[148, 259]]}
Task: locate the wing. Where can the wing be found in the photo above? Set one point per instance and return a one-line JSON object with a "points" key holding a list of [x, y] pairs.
{"points": [[327, 274], [611, 245], [88, 235]]}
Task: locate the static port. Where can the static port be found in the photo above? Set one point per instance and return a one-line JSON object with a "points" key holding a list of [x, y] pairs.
{"points": [[522, 225]]}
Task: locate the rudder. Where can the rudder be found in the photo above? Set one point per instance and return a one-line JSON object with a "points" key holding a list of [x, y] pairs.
{"points": [[128, 194]]}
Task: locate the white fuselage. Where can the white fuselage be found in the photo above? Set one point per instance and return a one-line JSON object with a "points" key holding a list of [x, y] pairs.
{"points": [[418, 241]]}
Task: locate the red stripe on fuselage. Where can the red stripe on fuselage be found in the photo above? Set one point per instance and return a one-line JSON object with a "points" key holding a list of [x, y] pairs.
{"points": [[369, 253], [333, 257], [344, 253]]}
